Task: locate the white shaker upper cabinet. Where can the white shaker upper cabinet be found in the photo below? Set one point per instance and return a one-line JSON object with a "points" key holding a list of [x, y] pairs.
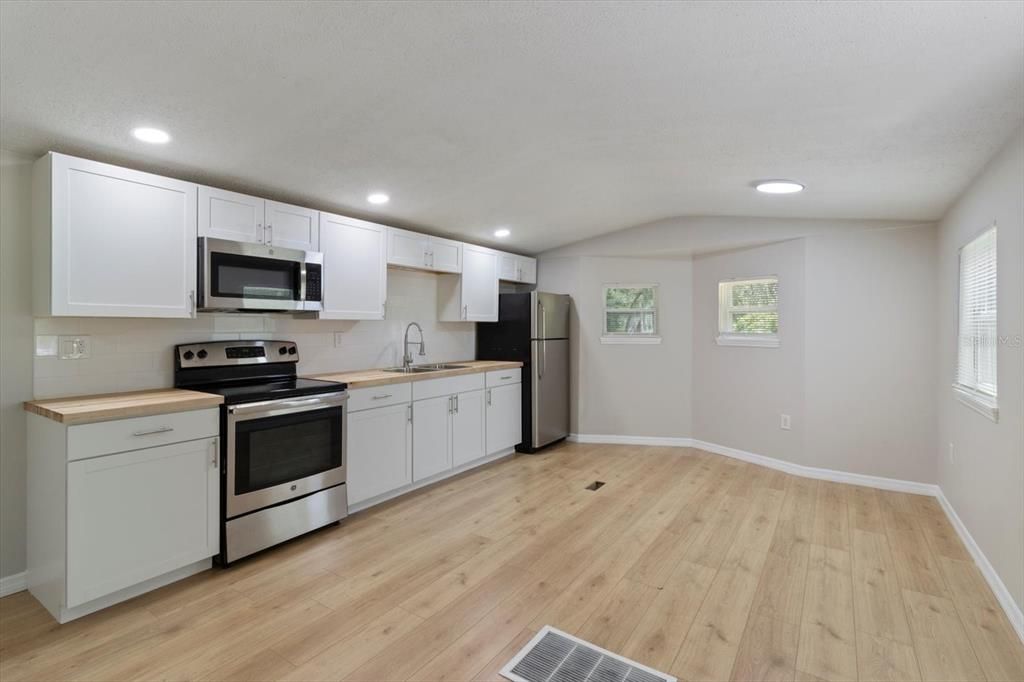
{"points": [[112, 242], [515, 268], [473, 295], [355, 269], [423, 252], [292, 227], [230, 215]]}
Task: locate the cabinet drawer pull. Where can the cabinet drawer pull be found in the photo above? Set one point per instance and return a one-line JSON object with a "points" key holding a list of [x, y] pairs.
{"points": [[505, 378], [162, 429], [382, 396]]}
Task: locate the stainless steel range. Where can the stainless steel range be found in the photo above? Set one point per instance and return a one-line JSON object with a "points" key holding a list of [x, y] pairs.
{"points": [[283, 441]]}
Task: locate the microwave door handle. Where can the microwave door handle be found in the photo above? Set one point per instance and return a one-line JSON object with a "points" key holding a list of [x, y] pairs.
{"points": [[302, 281]]}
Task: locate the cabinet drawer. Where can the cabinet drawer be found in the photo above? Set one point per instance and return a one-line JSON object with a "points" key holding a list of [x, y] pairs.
{"points": [[432, 388], [500, 377], [121, 435], [378, 396]]}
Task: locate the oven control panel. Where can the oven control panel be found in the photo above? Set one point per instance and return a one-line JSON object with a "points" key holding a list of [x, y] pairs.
{"points": [[240, 352]]}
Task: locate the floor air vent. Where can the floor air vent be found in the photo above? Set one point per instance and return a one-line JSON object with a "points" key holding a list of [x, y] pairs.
{"points": [[554, 656], [595, 485]]}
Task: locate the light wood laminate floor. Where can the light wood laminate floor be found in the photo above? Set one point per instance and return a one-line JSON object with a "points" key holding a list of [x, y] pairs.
{"points": [[699, 565]]}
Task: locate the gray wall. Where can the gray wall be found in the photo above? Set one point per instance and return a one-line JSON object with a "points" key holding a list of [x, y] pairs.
{"points": [[984, 480], [633, 390], [15, 353]]}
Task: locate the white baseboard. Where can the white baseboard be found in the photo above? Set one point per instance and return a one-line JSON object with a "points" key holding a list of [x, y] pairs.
{"points": [[1013, 611], [630, 440], [10, 584]]}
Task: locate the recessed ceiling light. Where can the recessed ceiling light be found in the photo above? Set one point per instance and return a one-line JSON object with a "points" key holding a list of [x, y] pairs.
{"points": [[779, 187], [378, 198], [151, 135], [502, 233]]}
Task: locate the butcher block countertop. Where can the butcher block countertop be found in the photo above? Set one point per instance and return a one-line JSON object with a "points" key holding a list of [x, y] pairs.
{"points": [[365, 378], [98, 408]]}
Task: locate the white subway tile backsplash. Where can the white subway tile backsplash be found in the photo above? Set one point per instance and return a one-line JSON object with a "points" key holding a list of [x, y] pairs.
{"points": [[135, 354]]}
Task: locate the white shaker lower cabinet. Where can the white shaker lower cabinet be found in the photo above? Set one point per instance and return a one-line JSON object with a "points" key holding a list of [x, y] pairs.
{"points": [[379, 451], [137, 515], [468, 434], [111, 242], [105, 522], [504, 417], [431, 437]]}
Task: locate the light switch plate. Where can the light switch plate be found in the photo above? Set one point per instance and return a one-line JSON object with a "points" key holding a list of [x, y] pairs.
{"points": [[339, 338], [784, 422], [47, 346], [75, 347]]}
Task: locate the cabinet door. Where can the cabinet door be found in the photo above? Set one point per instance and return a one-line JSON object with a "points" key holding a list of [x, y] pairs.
{"points": [[504, 417], [407, 249], [444, 255], [379, 451], [230, 215], [468, 428], [293, 227], [355, 269], [509, 267], [479, 284], [431, 437], [123, 243], [527, 270], [139, 514]]}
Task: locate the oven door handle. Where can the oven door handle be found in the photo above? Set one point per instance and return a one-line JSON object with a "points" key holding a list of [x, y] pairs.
{"points": [[267, 408]]}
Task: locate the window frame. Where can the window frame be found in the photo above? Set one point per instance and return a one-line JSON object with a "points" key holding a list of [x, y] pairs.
{"points": [[608, 337], [727, 337], [977, 399]]}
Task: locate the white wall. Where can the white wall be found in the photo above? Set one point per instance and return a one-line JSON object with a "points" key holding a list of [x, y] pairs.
{"points": [[869, 352], [15, 352], [633, 390], [130, 354], [984, 481], [740, 392]]}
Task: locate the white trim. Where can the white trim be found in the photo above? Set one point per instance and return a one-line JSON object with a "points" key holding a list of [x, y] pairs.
{"points": [[629, 440], [751, 340], [11, 584], [1003, 596], [995, 583], [626, 339], [980, 403]]}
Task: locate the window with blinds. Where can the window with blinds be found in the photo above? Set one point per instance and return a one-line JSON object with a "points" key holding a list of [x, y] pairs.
{"points": [[977, 336], [748, 312]]}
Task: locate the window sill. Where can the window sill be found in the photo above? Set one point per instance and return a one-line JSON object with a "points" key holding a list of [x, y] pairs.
{"points": [[749, 340], [630, 340], [983, 405]]}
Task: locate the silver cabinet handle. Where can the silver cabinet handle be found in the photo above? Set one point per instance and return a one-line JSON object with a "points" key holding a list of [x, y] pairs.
{"points": [[450, 409], [505, 378], [270, 234], [262, 232], [192, 303], [410, 414], [456, 404], [153, 432], [465, 312], [382, 397], [488, 396], [214, 453]]}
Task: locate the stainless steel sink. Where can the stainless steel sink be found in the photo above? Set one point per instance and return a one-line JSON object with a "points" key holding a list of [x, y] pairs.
{"points": [[419, 369], [411, 370]]}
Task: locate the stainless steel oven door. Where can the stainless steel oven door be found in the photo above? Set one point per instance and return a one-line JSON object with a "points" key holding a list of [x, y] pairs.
{"points": [[243, 276], [278, 450]]}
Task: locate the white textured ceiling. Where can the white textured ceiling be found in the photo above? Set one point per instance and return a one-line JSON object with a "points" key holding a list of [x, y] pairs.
{"points": [[558, 120]]}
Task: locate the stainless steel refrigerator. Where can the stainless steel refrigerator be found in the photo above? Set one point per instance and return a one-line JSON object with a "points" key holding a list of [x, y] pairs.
{"points": [[533, 328]]}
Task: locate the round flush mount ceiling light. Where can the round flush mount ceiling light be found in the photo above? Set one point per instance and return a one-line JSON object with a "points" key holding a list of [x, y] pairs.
{"points": [[503, 232], [778, 187], [151, 135], [378, 198]]}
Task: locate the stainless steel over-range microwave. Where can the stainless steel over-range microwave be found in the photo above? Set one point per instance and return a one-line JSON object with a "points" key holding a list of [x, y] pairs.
{"points": [[257, 277]]}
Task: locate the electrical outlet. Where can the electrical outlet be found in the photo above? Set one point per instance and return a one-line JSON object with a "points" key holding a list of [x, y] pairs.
{"points": [[784, 422], [74, 347], [338, 339], [951, 453], [47, 346]]}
